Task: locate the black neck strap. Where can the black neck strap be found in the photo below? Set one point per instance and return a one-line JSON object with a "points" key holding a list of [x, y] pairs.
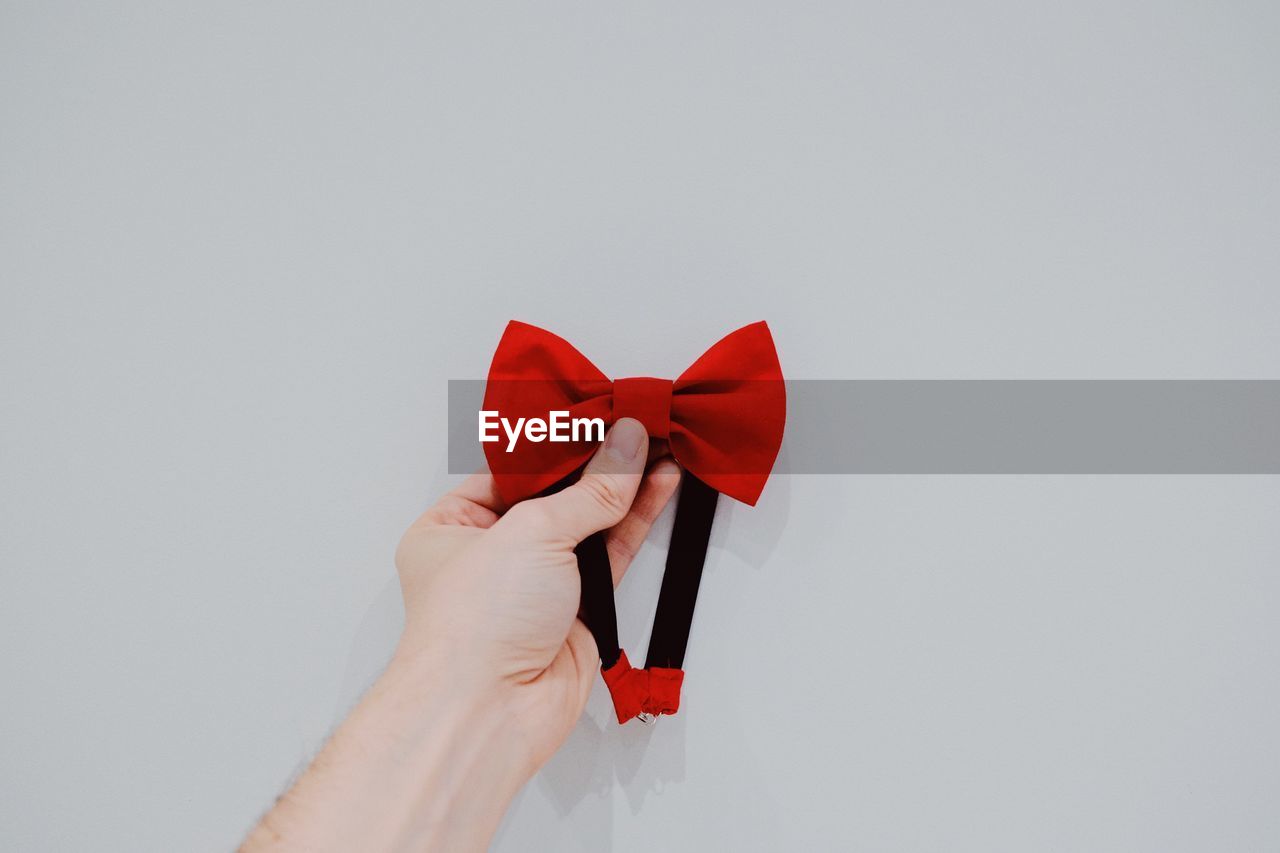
{"points": [[598, 610], [695, 512]]}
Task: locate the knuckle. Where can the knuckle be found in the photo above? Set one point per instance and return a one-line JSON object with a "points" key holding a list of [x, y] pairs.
{"points": [[607, 493]]}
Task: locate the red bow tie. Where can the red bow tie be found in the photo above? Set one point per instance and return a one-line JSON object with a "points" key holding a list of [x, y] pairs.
{"points": [[723, 417]]}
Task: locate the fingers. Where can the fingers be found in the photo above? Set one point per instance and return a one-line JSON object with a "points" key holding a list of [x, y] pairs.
{"points": [[481, 489], [628, 535], [474, 503], [601, 498]]}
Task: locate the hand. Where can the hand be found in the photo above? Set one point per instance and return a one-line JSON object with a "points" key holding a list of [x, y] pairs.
{"points": [[493, 668], [495, 591]]}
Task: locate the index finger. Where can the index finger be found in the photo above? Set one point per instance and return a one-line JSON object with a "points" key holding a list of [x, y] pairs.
{"points": [[473, 503], [481, 489]]}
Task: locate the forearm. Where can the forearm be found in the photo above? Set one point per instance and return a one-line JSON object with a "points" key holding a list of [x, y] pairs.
{"points": [[421, 764]]}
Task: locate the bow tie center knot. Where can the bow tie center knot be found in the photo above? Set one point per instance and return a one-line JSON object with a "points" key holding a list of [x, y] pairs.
{"points": [[646, 399]]}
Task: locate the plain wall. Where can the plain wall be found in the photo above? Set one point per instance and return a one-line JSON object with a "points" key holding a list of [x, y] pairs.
{"points": [[244, 246]]}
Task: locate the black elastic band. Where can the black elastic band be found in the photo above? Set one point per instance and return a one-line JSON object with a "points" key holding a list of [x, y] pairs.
{"points": [[695, 511], [596, 577], [598, 611]]}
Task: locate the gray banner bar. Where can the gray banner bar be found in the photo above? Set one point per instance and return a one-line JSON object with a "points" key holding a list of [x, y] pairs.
{"points": [[998, 427]]}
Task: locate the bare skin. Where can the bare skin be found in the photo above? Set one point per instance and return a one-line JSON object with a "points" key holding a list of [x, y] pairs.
{"points": [[491, 673]]}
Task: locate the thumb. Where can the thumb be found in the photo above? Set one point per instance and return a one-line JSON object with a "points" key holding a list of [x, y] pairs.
{"points": [[602, 497]]}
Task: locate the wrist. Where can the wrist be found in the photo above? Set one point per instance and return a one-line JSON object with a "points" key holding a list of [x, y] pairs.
{"points": [[434, 674], [427, 761], [454, 728]]}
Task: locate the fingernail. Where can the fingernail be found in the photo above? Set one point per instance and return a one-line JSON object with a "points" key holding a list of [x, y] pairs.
{"points": [[624, 440]]}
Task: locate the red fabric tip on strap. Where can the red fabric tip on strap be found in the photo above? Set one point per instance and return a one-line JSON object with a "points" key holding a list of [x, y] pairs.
{"points": [[651, 691]]}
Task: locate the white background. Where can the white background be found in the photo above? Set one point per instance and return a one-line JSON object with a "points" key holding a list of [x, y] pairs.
{"points": [[243, 247]]}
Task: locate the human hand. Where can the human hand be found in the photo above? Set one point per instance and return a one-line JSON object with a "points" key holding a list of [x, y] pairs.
{"points": [[491, 594], [492, 670]]}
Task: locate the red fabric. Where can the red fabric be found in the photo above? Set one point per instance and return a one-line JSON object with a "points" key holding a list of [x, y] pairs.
{"points": [[647, 400], [723, 417], [664, 690], [652, 691]]}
